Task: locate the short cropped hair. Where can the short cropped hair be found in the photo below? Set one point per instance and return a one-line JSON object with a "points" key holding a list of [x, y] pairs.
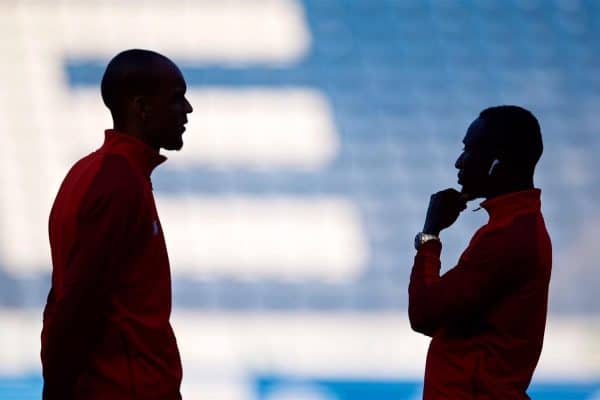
{"points": [[130, 73], [516, 134]]}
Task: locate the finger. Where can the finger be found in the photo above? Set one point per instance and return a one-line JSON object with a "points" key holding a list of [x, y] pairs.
{"points": [[454, 196], [450, 192]]}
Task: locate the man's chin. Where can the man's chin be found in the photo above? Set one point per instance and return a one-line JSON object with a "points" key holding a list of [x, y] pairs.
{"points": [[174, 146], [468, 193]]}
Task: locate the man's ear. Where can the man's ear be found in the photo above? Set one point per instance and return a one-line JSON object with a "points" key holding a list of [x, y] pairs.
{"points": [[141, 107]]}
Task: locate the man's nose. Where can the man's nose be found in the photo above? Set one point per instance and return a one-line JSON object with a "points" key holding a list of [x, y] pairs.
{"points": [[188, 107], [459, 161]]}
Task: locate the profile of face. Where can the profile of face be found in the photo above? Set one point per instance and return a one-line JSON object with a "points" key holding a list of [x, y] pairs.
{"points": [[166, 109], [475, 161]]}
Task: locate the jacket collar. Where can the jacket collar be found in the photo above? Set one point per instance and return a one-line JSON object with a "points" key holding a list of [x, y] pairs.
{"points": [[511, 204], [143, 156]]}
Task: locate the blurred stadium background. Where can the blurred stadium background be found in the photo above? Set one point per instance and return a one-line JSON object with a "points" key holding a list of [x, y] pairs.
{"points": [[320, 129]]}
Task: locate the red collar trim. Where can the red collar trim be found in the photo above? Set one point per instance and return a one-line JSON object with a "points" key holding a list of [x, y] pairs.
{"points": [[144, 156], [508, 205]]}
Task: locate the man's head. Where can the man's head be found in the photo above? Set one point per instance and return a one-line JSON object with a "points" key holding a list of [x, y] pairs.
{"points": [[501, 149], [145, 93]]}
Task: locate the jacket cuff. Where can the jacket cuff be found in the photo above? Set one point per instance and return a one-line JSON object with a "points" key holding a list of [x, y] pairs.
{"points": [[431, 248]]}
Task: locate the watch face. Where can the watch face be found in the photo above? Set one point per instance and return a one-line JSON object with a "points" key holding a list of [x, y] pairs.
{"points": [[422, 238], [417, 241]]}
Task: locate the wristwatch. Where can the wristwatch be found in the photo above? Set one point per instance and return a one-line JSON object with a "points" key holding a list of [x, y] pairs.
{"points": [[424, 237]]}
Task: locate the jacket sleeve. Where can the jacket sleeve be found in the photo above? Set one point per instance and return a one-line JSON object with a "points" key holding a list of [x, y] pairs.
{"points": [[105, 227], [462, 293]]}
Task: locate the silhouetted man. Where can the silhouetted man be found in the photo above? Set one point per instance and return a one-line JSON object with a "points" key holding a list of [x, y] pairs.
{"points": [[106, 331], [486, 316]]}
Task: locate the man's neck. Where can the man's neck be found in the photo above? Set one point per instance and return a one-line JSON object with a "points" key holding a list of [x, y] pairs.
{"points": [[133, 131], [516, 186]]}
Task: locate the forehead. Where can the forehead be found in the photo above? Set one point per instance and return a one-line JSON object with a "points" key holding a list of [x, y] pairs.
{"points": [[170, 76], [477, 135]]}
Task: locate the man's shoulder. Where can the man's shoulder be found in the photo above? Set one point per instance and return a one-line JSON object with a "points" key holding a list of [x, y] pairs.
{"points": [[521, 228], [116, 167], [102, 168], [514, 227], [515, 237], [115, 174], [103, 176]]}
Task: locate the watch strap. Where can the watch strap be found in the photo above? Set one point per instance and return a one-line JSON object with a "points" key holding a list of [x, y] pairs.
{"points": [[422, 238]]}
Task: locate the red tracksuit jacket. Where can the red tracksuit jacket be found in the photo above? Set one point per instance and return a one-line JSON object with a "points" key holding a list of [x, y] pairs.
{"points": [[106, 331], [486, 316]]}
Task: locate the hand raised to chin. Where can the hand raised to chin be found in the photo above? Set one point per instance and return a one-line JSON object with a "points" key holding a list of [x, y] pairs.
{"points": [[444, 208]]}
